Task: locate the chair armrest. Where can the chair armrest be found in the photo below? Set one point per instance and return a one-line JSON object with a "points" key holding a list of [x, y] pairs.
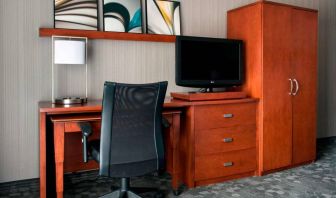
{"points": [[86, 132], [85, 128], [165, 122]]}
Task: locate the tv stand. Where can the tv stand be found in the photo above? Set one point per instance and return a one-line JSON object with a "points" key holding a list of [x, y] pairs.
{"points": [[192, 96]]}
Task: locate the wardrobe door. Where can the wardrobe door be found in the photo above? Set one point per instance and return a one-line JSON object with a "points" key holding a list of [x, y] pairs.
{"points": [[277, 103], [304, 60]]}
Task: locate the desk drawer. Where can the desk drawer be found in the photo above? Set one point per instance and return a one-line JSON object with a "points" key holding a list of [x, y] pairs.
{"points": [[218, 116], [225, 164], [225, 139]]}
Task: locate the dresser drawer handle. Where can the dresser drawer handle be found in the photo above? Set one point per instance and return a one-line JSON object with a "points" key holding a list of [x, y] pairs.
{"points": [[228, 164], [228, 115], [227, 140]]}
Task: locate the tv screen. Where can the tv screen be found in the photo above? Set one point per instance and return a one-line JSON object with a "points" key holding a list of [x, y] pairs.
{"points": [[208, 62]]}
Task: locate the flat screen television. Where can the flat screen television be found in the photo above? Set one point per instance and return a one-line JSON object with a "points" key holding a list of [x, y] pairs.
{"points": [[208, 62]]}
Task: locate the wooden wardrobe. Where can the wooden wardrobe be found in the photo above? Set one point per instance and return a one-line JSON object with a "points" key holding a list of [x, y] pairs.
{"points": [[281, 70]]}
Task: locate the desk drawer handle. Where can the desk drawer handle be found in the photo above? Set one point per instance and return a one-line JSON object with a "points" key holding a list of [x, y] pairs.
{"points": [[228, 164], [227, 140], [228, 115]]}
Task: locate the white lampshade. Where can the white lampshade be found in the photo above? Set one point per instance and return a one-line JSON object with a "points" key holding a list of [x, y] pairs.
{"points": [[69, 52]]}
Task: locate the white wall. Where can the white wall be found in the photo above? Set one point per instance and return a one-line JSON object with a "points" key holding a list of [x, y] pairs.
{"points": [[25, 69]]}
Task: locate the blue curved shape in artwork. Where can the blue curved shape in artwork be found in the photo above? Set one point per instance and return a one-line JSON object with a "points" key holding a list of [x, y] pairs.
{"points": [[136, 20], [120, 10]]}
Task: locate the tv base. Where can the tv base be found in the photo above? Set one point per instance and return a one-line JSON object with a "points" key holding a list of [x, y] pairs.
{"points": [[208, 95]]}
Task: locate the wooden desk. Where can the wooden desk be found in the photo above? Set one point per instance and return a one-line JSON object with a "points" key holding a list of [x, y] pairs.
{"points": [[59, 132]]}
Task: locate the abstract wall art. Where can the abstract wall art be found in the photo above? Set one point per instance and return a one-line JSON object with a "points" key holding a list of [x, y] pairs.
{"points": [[123, 16], [76, 14], [163, 17]]}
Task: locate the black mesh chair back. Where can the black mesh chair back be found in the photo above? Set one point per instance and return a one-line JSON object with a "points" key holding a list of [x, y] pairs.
{"points": [[131, 141]]}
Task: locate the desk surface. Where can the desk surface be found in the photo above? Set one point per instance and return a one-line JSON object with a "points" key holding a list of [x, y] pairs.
{"points": [[96, 105]]}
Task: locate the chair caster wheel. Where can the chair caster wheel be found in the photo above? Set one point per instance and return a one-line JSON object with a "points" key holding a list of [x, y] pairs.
{"points": [[177, 192]]}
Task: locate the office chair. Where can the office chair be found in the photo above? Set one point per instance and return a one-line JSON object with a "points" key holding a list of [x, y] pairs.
{"points": [[131, 142]]}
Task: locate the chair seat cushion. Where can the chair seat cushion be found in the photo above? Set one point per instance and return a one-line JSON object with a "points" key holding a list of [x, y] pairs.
{"points": [[94, 147]]}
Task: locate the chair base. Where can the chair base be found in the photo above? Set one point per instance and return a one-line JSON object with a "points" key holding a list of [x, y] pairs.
{"points": [[126, 191], [121, 194]]}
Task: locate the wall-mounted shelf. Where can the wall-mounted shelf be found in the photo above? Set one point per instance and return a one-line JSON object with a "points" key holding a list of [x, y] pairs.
{"points": [[48, 32]]}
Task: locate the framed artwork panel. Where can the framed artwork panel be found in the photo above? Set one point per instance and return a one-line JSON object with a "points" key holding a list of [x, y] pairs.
{"points": [[122, 16], [163, 17], [76, 14]]}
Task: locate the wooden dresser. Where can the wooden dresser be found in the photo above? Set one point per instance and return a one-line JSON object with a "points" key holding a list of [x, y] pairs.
{"points": [[219, 141]]}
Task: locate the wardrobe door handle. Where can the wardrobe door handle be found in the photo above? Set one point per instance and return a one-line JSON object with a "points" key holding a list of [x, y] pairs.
{"points": [[296, 87], [291, 86]]}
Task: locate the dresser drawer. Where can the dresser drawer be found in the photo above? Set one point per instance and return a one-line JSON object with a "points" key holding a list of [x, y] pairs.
{"points": [[225, 164], [218, 116], [225, 139]]}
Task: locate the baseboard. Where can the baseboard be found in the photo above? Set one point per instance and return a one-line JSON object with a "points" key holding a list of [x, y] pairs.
{"points": [[285, 168], [222, 179]]}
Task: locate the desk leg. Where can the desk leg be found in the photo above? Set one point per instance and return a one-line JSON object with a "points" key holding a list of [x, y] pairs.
{"points": [[59, 157], [175, 136]]}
